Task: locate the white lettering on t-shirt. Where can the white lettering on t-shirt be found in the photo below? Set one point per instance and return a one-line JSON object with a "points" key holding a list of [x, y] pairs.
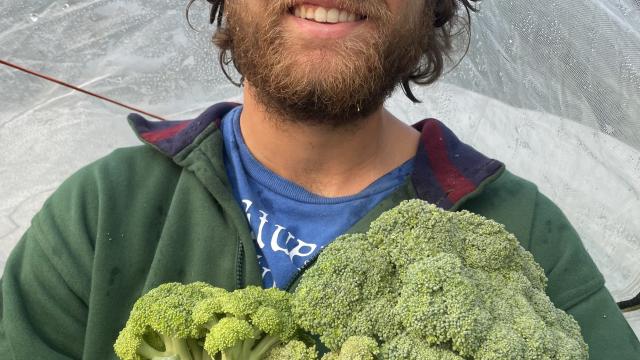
{"points": [[301, 245], [247, 206], [263, 222], [301, 249], [274, 241]]}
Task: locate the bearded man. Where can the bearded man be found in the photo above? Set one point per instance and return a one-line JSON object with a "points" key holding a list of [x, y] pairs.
{"points": [[249, 194]]}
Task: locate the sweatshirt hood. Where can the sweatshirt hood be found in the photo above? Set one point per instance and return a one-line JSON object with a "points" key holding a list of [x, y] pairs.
{"points": [[446, 170]]}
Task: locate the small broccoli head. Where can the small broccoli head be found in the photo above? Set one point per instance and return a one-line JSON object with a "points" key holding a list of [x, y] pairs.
{"points": [[199, 321]]}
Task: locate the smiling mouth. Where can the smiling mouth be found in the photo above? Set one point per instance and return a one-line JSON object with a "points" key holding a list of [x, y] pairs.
{"points": [[324, 15]]}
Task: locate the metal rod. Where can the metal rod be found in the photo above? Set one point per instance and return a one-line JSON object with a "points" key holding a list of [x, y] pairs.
{"points": [[60, 82]]}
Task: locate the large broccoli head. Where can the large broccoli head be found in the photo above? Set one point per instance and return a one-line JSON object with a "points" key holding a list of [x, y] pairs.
{"points": [[427, 281]]}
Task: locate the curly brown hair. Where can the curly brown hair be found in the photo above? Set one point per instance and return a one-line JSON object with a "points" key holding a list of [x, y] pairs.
{"points": [[435, 48]]}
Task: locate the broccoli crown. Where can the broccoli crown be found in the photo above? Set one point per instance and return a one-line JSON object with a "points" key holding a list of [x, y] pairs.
{"points": [[433, 284], [201, 322]]}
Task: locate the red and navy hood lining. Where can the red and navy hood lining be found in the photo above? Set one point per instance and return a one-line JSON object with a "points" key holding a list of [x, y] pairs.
{"points": [[171, 137], [446, 170]]}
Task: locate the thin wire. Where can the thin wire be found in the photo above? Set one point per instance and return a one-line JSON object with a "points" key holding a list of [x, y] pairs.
{"points": [[60, 82]]}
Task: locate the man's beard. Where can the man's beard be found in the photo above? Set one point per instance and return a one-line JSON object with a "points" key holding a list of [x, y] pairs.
{"points": [[337, 85]]}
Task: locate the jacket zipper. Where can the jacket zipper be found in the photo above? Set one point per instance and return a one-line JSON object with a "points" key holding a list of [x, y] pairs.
{"points": [[240, 266]]}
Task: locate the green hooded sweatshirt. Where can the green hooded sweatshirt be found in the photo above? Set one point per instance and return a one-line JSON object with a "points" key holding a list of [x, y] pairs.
{"points": [[165, 212]]}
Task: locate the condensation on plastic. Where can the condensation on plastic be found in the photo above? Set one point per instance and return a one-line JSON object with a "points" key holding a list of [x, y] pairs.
{"points": [[578, 59], [550, 88]]}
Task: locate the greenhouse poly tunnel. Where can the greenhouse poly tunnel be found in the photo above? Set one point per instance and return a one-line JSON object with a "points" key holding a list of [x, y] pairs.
{"points": [[552, 89]]}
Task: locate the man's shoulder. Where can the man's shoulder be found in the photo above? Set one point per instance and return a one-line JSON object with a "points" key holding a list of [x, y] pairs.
{"points": [[136, 159], [526, 212], [509, 184], [543, 229], [123, 174], [509, 200], [128, 163], [519, 205]]}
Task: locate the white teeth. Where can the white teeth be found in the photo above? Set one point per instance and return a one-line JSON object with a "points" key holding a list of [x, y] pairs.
{"points": [[343, 16], [322, 15], [333, 16]]}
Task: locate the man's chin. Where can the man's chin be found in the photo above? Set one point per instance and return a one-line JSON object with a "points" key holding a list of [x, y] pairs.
{"points": [[317, 108], [318, 52]]}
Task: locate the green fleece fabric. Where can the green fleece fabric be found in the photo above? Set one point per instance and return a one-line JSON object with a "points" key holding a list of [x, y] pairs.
{"points": [[136, 219]]}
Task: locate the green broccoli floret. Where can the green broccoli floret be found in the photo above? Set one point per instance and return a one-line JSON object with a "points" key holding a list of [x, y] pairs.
{"points": [[160, 325], [431, 284], [348, 292], [247, 323], [294, 349], [440, 302], [201, 322], [409, 347], [356, 348]]}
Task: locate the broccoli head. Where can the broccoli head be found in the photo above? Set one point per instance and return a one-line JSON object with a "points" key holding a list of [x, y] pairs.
{"points": [[201, 322], [432, 284]]}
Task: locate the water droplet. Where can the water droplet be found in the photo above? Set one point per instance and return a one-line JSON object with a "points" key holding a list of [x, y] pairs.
{"points": [[65, 6], [33, 17]]}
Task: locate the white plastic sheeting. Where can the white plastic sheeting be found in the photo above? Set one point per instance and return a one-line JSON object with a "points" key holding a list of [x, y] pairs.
{"points": [[550, 88]]}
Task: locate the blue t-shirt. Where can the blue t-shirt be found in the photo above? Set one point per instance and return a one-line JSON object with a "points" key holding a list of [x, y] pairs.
{"points": [[291, 225]]}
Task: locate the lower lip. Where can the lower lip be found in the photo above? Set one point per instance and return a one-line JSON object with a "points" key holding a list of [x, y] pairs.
{"points": [[324, 30]]}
